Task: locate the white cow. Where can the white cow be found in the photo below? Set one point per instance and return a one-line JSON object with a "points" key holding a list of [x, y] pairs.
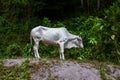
{"points": [[55, 36]]}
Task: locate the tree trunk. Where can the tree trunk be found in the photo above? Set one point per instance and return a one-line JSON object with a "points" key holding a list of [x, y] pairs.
{"points": [[88, 6], [82, 3], [98, 4]]}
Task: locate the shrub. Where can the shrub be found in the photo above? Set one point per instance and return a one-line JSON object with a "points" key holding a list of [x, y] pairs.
{"points": [[27, 52], [96, 36], [46, 22], [13, 50], [59, 24]]}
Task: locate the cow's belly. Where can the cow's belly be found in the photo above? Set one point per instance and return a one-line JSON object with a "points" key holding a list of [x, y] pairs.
{"points": [[50, 39]]}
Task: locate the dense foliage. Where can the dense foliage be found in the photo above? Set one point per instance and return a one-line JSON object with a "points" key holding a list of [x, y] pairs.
{"points": [[98, 24]]}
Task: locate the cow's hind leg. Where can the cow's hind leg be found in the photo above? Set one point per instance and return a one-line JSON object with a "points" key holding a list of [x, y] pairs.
{"points": [[62, 51], [36, 45]]}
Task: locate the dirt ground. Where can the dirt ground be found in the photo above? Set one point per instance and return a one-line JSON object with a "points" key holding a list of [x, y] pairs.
{"points": [[46, 69]]}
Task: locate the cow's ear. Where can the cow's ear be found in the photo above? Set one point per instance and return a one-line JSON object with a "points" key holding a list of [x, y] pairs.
{"points": [[79, 38], [78, 35]]}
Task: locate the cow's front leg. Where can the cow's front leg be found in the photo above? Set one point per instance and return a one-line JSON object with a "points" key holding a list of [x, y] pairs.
{"points": [[36, 49], [62, 51]]}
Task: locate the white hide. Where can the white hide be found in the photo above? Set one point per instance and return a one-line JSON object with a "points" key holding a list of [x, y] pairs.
{"points": [[54, 36]]}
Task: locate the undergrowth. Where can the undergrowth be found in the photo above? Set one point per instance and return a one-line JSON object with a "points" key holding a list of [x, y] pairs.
{"points": [[15, 72], [99, 34]]}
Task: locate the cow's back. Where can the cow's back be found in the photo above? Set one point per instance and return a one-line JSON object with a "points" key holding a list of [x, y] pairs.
{"points": [[61, 32]]}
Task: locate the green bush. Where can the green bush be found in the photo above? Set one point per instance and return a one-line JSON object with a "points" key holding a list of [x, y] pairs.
{"points": [[98, 39], [46, 22], [27, 52], [96, 36], [59, 24], [13, 50]]}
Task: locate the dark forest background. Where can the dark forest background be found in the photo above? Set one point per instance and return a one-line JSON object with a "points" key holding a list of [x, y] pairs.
{"points": [[96, 21]]}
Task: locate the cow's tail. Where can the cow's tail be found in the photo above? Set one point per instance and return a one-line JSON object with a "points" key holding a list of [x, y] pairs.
{"points": [[30, 42]]}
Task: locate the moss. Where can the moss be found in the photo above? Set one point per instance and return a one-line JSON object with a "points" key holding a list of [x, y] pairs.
{"points": [[103, 74], [15, 72]]}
